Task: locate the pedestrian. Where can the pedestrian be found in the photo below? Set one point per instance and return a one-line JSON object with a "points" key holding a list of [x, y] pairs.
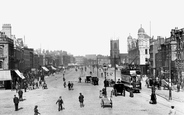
{"points": [[69, 85], [153, 99], [64, 78], [178, 87], [100, 96], [37, 84], [40, 83], [64, 84], [81, 100], [80, 79], [20, 93], [25, 86], [36, 110], [16, 102], [33, 85], [172, 111], [60, 103]]}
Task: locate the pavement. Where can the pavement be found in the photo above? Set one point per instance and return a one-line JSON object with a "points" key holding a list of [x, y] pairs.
{"points": [[46, 99]]}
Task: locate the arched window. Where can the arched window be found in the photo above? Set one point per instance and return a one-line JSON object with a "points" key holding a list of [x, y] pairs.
{"points": [[115, 46]]}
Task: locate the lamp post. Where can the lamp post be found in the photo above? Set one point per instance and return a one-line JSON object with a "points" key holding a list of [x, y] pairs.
{"points": [[170, 94], [105, 82]]}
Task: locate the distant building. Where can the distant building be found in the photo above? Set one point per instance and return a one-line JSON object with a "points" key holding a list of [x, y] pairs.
{"points": [[91, 56], [79, 60], [138, 50], [155, 46], [6, 52], [28, 59], [6, 28], [103, 60]]}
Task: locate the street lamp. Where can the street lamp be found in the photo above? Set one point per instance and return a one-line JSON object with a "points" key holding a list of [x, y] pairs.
{"points": [[105, 82]]}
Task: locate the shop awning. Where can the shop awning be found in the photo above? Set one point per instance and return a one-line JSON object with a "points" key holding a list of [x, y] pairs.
{"points": [[5, 75], [44, 68], [53, 68], [19, 74]]}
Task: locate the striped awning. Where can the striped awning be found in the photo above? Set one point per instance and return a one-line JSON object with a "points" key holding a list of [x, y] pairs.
{"points": [[19, 74], [44, 68], [5, 75], [53, 68]]}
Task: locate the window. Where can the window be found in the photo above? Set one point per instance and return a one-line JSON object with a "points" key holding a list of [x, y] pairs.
{"points": [[1, 50], [146, 59], [1, 64], [115, 46], [146, 51]]}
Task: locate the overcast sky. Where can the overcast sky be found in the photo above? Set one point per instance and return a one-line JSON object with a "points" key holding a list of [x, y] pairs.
{"points": [[86, 26]]}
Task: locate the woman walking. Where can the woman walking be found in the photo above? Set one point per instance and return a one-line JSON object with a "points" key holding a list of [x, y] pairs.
{"points": [[36, 110]]}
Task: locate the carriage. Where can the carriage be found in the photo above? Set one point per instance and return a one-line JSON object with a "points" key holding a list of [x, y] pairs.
{"points": [[94, 80], [106, 102], [119, 89], [88, 79]]}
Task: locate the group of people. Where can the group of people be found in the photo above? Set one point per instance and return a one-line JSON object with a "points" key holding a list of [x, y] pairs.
{"points": [[60, 102], [70, 85]]}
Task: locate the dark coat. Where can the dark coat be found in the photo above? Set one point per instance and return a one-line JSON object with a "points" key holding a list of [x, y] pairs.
{"points": [[16, 100], [59, 101], [36, 111], [20, 92], [81, 98]]}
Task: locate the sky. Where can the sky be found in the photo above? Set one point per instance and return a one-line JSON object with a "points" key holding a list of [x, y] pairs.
{"points": [[83, 27]]}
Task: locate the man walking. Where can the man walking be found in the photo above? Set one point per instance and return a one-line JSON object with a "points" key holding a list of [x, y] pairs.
{"points": [[16, 102], [69, 85], [81, 100], [64, 84], [60, 102], [25, 86]]}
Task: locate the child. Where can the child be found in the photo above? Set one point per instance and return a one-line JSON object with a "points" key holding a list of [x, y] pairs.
{"points": [[172, 111]]}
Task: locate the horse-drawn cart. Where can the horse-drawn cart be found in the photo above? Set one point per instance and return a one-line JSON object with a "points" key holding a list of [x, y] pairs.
{"points": [[106, 102]]}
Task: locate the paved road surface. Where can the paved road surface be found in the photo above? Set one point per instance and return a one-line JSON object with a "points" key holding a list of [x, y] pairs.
{"points": [[46, 100]]}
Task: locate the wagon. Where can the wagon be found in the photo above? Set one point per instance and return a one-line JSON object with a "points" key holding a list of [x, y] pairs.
{"points": [[88, 79], [119, 89], [106, 102], [95, 80]]}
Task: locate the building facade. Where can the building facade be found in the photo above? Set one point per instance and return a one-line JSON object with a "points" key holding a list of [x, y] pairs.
{"points": [[138, 50]]}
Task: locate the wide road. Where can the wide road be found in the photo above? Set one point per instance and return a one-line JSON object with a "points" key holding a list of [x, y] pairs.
{"points": [[46, 100]]}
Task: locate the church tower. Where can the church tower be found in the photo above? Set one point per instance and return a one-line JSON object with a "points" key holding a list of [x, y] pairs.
{"points": [[114, 52]]}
